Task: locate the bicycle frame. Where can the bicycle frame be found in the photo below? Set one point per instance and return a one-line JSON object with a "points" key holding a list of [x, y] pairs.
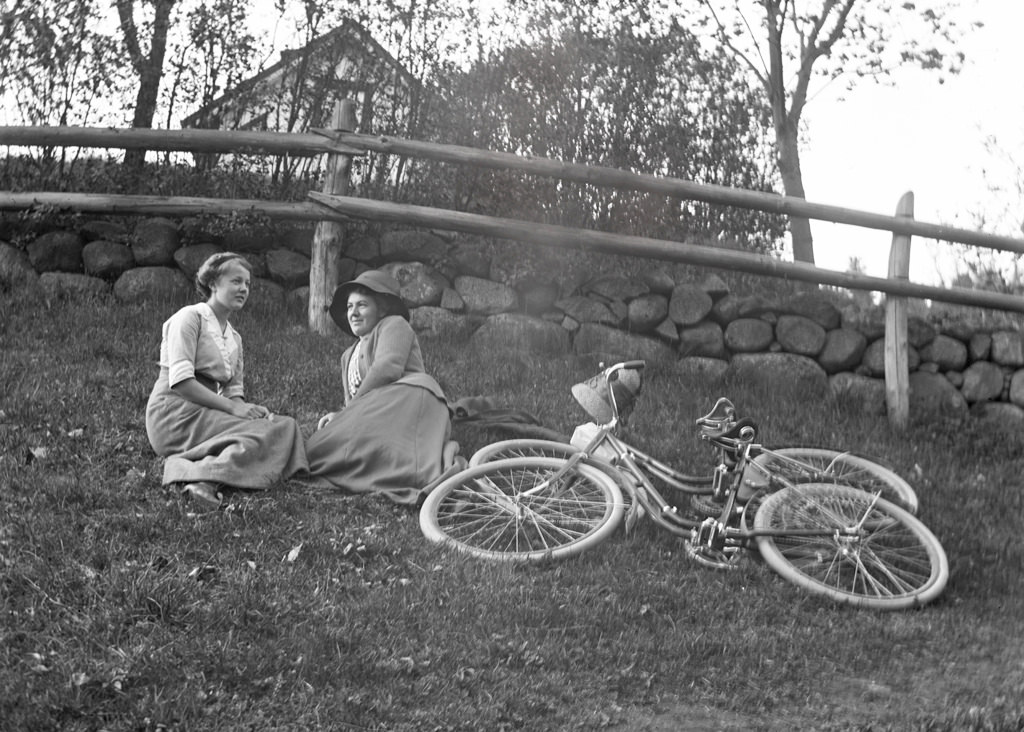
{"points": [[721, 535]]}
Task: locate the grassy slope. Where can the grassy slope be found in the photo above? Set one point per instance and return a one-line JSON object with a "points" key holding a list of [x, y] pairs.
{"points": [[119, 609]]}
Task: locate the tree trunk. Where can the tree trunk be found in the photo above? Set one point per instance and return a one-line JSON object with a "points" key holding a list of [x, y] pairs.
{"points": [[793, 184], [150, 69]]}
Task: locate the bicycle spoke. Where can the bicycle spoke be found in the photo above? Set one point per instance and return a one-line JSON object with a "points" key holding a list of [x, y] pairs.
{"points": [[870, 551], [789, 466], [524, 507]]}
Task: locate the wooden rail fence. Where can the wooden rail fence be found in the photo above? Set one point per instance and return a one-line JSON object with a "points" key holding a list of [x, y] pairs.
{"points": [[332, 207]]}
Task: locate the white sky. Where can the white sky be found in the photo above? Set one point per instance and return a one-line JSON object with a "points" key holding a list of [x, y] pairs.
{"points": [[920, 136]]}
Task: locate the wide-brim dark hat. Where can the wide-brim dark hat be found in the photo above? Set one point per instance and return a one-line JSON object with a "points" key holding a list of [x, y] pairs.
{"points": [[380, 283]]}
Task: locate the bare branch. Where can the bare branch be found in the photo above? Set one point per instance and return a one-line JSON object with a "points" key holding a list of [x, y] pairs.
{"points": [[759, 72], [125, 12]]}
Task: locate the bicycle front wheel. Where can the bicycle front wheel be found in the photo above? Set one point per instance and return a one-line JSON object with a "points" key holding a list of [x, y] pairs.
{"points": [[818, 465], [871, 553], [505, 449], [523, 509]]}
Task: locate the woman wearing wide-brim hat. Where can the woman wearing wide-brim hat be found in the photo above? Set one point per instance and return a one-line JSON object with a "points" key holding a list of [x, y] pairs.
{"points": [[393, 427]]}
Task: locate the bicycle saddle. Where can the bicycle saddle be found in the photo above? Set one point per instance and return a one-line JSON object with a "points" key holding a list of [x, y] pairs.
{"points": [[720, 418]]}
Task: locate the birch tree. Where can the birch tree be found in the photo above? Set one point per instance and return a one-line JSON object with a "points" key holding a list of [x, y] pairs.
{"points": [[789, 44]]}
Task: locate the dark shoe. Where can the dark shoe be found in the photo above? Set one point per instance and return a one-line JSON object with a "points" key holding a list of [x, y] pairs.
{"points": [[204, 495]]}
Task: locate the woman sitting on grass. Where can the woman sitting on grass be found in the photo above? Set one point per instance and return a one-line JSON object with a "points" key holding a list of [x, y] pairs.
{"points": [[197, 416], [391, 432]]}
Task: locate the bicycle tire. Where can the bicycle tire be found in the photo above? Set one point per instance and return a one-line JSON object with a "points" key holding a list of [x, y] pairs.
{"points": [[893, 563], [819, 465], [486, 511], [505, 449]]}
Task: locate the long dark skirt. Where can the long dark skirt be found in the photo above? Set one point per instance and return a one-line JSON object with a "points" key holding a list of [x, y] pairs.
{"points": [[390, 440]]}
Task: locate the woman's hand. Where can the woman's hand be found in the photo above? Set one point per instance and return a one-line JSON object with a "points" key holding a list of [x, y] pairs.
{"points": [[250, 411], [326, 420]]}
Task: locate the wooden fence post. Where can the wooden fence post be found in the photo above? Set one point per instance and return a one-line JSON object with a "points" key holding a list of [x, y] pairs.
{"points": [[897, 375], [328, 237]]}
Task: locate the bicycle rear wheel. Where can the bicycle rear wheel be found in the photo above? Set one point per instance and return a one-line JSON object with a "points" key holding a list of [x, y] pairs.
{"points": [[891, 560], [505, 449], [523, 509], [818, 465]]}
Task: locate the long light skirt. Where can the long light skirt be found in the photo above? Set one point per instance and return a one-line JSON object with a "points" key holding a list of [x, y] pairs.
{"points": [[390, 441], [208, 444]]}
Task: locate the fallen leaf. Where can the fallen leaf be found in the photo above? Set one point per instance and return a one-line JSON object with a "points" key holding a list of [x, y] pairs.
{"points": [[37, 453], [294, 553]]}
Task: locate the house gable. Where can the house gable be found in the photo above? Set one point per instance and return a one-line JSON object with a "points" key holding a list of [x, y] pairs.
{"points": [[299, 91]]}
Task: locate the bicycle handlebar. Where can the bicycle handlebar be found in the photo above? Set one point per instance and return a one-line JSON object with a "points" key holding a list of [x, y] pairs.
{"points": [[637, 364]]}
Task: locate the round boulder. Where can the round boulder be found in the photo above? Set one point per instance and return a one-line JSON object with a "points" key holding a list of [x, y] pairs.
{"points": [[484, 297], [107, 230], [1007, 348], [585, 310], [287, 268], [190, 258], [748, 335], [982, 382], [420, 284], [71, 286], [861, 393], [412, 245], [615, 344], [801, 335], [538, 297], [162, 284], [816, 308], [154, 242], [57, 251], [931, 395], [646, 312], [513, 332], [689, 305], [843, 350], [702, 340], [788, 370], [949, 354], [15, 269], [107, 259], [616, 287], [874, 358]]}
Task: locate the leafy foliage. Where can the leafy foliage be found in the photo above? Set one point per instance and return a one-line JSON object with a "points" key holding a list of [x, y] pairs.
{"points": [[605, 93], [58, 68]]}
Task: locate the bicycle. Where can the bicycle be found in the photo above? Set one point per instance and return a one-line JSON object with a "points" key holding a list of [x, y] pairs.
{"points": [[833, 523]]}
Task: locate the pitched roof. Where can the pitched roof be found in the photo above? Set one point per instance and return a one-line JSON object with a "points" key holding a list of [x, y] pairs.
{"points": [[291, 56]]}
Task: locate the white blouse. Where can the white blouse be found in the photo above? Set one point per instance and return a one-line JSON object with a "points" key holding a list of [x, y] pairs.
{"points": [[193, 343]]}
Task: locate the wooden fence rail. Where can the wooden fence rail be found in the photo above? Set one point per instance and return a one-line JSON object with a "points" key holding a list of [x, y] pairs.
{"points": [[200, 141], [675, 187], [528, 231], [352, 143], [129, 205], [341, 145]]}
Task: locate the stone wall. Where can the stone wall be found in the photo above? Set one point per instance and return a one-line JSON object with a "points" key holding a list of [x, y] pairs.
{"points": [[515, 297]]}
